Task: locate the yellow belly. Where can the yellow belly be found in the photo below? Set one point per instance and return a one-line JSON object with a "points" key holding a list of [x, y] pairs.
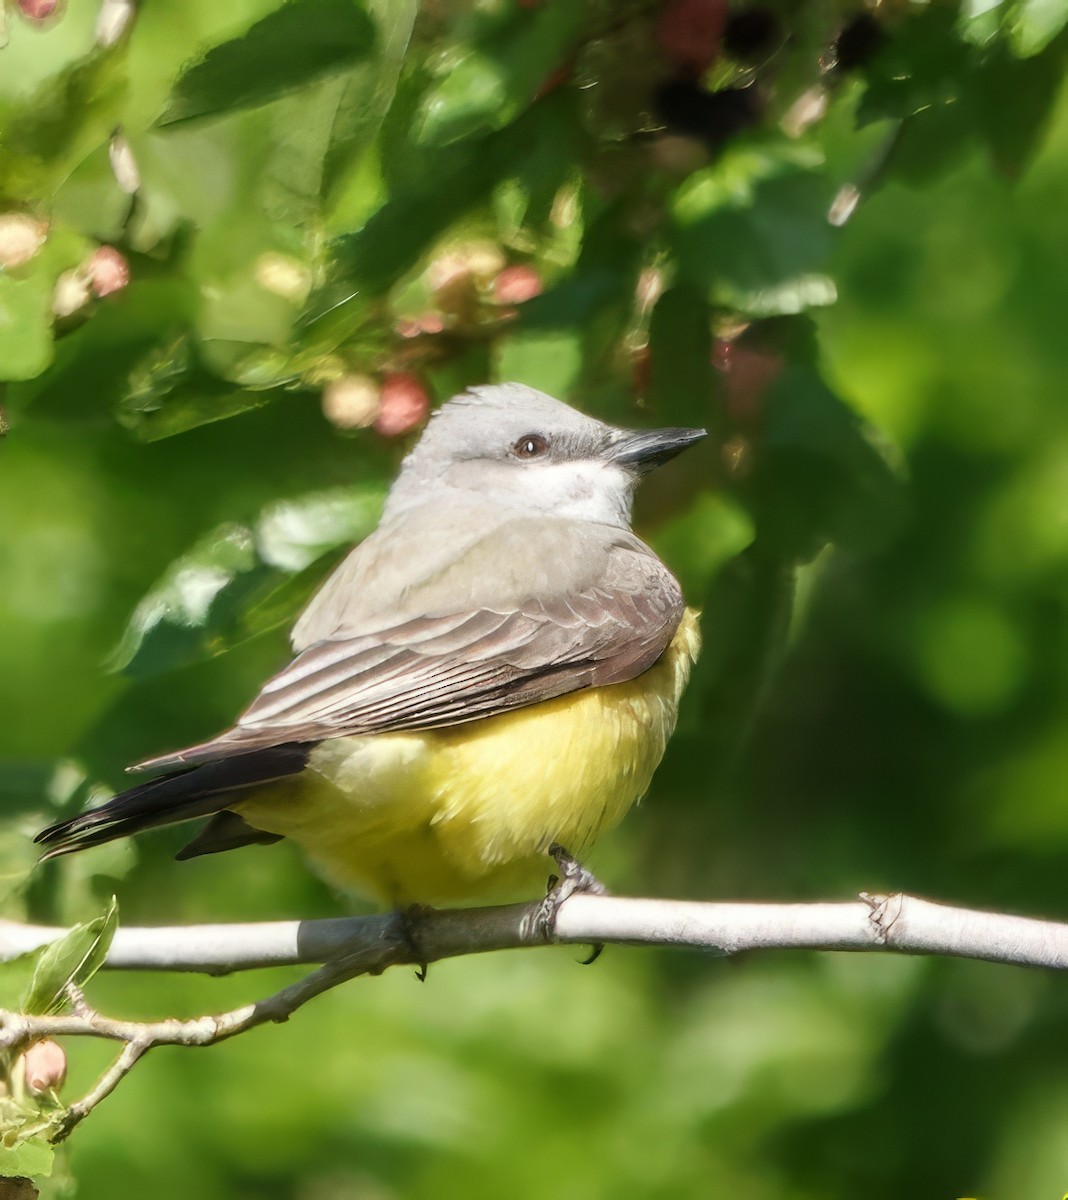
{"points": [[469, 812]]}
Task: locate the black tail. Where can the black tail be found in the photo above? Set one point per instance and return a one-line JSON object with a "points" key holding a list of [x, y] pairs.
{"points": [[198, 792]]}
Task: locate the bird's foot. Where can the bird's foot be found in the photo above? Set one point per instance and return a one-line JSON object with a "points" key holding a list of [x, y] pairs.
{"points": [[573, 877], [409, 917]]}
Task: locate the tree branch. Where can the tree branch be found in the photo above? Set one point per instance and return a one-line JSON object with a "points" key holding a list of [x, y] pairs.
{"points": [[896, 922], [368, 945]]}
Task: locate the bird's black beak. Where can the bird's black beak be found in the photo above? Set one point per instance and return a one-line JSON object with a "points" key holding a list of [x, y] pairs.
{"points": [[645, 449]]}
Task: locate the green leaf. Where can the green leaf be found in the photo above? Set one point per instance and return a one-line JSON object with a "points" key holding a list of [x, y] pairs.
{"points": [[28, 1159], [26, 345], [274, 606], [1012, 101], [490, 83], [394, 238], [294, 534], [749, 605], [930, 143], [922, 65], [25, 324], [445, 185], [74, 958], [300, 42], [16, 975], [473, 92], [758, 243], [573, 302], [240, 581], [698, 542], [169, 627], [30, 794], [66, 120], [1033, 24], [548, 361], [680, 349], [169, 392], [92, 365], [369, 91], [820, 478], [189, 407]]}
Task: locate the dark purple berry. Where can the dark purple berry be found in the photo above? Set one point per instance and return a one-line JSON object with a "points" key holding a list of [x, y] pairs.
{"points": [[713, 117], [752, 33], [859, 42]]}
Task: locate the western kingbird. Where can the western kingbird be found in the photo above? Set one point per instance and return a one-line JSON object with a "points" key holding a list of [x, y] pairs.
{"points": [[494, 670]]}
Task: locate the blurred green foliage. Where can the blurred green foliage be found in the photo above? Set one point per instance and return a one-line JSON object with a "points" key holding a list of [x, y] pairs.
{"points": [[329, 192]]}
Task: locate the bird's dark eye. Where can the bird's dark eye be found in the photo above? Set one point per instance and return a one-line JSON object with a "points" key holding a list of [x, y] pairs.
{"points": [[530, 445]]}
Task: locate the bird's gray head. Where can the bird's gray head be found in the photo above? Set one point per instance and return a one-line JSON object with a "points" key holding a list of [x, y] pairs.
{"points": [[512, 447]]}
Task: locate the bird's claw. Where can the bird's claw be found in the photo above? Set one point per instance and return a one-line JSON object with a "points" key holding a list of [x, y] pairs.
{"points": [[409, 920], [573, 877]]}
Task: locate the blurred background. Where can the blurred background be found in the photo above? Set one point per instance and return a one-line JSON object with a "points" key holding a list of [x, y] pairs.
{"points": [[245, 247]]}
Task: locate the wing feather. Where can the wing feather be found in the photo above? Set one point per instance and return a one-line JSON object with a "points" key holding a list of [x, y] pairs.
{"points": [[432, 671]]}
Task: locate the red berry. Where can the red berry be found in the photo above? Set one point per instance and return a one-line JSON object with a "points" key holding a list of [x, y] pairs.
{"points": [[515, 284], [690, 31], [404, 404], [38, 10], [46, 1067], [107, 271], [749, 373]]}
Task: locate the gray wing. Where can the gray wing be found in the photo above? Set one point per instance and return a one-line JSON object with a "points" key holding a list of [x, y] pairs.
{"points": [[432, 671]]}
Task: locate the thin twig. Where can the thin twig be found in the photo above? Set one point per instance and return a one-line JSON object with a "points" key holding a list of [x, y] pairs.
{"points": [[103, 1088], [20, 1030]]}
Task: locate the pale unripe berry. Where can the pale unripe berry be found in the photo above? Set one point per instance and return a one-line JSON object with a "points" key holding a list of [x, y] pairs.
{"points": [[123, 165], [285, 276], [70, 293], [649, 287], [112, 20], [483, 259], [351, 402], [456, 276], [678, 153], [21, 236]]}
